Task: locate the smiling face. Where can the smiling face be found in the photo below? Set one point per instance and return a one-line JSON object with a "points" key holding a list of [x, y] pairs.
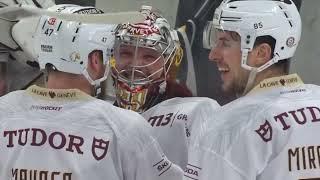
{"points": [[137, 71], [227, 54], [139, 63]]}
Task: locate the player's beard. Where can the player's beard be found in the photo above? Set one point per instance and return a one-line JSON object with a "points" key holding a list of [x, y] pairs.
{"points": [[238, 84], [103, 86]]}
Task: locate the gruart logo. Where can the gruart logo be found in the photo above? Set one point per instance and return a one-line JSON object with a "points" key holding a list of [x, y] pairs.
{"points": [[290, 42], [74, 56]]}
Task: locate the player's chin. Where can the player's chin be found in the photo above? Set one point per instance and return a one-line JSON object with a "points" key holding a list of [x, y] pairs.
{"points": [[228, 87]]}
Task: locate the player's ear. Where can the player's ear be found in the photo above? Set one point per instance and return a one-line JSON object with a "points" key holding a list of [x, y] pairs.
{"points": [[261, 54], [95, 64]]}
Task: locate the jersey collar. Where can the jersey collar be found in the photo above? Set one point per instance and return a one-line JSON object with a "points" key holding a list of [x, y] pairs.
{"points": [[57, 94], [291, 80]]}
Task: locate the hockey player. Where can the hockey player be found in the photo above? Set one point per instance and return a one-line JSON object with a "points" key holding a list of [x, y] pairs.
{"points": [[61, 132], [147, 57], [269, 133]]}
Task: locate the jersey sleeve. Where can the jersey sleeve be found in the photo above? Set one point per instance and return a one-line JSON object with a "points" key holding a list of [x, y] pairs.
{"points": [[153, 164]]}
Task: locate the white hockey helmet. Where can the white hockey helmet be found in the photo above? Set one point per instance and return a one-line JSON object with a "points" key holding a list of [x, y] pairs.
{"points": [[253, 18], [65, 45]]}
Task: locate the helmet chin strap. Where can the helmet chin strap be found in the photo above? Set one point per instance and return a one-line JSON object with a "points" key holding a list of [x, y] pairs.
{"points": [[97, 83], [250, 82], [253, 72], [162, 87]]}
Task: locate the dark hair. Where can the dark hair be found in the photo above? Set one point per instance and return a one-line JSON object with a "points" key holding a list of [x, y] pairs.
{"points": [[283, 64]]}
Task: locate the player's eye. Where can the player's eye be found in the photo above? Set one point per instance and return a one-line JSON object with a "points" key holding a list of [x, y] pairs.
{"points": [[225, 43], [149, 58], [126, 54]]}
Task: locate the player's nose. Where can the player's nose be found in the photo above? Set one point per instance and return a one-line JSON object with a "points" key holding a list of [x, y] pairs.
{"points": [[214, 55]]}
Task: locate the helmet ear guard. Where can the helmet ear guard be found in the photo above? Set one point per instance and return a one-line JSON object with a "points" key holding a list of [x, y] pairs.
{"points": [[81, 39]]}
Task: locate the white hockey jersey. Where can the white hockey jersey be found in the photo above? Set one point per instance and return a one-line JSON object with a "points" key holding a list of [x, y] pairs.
{"points": [[271, 133], [68, 135], [172, 121]]}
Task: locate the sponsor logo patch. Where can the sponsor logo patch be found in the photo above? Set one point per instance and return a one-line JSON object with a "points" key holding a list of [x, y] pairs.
{"points": [[46, 48]]}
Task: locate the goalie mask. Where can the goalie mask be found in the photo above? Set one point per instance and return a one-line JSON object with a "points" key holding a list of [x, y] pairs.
{"points": [[146, 55], [65, 45]]}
